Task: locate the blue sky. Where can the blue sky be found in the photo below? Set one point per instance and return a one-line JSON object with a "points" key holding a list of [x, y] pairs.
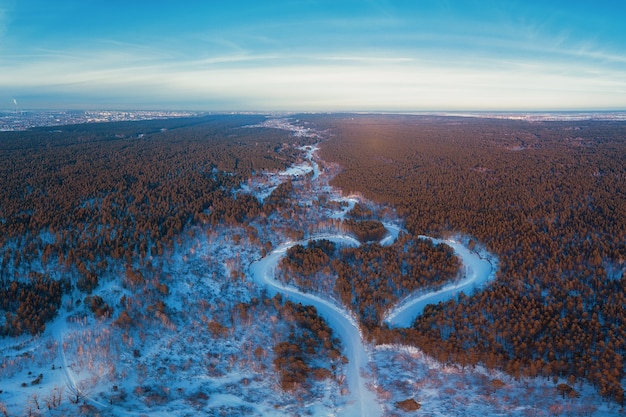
{"points": [[310, 55]]}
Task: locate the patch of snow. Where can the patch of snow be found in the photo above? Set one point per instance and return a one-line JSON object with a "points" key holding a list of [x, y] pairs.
{"points": [[297, 170]]}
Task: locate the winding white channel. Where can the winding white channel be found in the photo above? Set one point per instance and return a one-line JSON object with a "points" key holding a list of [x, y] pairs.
{"points": [[477, 271], [343, 324]]}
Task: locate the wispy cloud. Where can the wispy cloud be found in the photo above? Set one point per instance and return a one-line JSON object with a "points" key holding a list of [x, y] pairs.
{"points": [[4, 19], [320, 83]]}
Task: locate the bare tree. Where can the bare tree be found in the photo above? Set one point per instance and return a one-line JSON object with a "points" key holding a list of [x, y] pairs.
{"points": [[76, 391], [35, 399], [55, 398]]}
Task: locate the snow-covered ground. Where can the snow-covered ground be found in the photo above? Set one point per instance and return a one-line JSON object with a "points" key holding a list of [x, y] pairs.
{"points": [[166, 362], [263, 185]]}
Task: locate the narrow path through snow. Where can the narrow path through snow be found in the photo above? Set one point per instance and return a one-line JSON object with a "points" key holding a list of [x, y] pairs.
{"points": [[364, 402]]}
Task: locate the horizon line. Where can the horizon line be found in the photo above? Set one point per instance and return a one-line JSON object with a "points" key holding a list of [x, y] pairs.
{"points": [[285, 111]]}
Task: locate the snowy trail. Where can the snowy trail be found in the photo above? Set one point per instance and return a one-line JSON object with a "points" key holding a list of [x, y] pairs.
{"points": [[363, 401], [74, 389], [310, 150], [393, 231]]}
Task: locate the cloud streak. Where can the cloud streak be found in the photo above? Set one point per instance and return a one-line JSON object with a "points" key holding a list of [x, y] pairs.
{"points": [[277, 82]]}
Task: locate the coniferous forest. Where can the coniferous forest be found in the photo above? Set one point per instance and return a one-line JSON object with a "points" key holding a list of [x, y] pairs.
{"points": [[547, 198], [85, 195]]}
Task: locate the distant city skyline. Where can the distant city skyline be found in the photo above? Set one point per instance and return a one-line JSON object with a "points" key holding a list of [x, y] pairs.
{"points": [[313, 55]]}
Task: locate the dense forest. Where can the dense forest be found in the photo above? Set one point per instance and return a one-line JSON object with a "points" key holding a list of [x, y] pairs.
{"points": [[83, 195], [297, 358], [370, 278], [549, 198]]}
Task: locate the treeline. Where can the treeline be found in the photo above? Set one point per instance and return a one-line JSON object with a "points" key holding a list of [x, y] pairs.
{"points": [[366, 230], [27, 306], [360, 212], [361, 221], [279, 198], [308, 259], [309, 339], [78, 196], [549, 198]]}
